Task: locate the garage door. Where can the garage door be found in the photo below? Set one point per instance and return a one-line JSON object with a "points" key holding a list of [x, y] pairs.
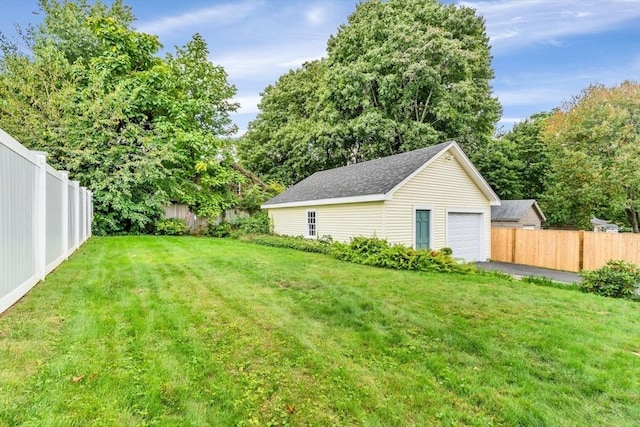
{"points": [[465, 236]]}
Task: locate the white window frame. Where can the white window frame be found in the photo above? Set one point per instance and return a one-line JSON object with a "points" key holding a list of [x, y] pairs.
{"points": [[309, 224]]}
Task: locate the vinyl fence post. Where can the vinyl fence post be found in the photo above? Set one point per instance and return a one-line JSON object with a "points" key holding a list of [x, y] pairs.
{"points": [[89, 213], [65, 212], [76, 209], [40, 214]]}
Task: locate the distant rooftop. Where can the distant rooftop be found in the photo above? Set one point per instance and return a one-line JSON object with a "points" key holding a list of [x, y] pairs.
{"points": [[514, 210]]}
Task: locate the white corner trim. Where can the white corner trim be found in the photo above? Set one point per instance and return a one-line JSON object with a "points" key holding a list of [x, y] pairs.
{"points": [[334, 201]]}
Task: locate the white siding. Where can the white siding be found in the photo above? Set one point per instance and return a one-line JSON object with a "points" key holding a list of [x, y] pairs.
{"points": [[443, 185], [341, 222]]}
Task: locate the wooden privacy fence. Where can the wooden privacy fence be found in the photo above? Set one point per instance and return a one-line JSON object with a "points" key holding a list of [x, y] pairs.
{"points": [[44, 218], [563, 250], [196, 224]]}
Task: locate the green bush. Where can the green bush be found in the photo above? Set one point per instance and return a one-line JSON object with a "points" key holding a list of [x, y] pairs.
{"points": [[170, 227], [299, 243], [378, 252], [223, 229], [257, 223], [617, 279]]}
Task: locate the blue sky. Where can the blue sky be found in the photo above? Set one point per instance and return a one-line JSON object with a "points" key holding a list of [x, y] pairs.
{"points": [[544, 51]]}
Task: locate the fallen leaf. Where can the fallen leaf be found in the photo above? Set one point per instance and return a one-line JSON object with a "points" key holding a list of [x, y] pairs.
{"points": [[78, 378], [291, 409]]}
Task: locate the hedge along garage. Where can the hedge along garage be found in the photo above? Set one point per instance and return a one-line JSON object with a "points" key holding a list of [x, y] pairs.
{"points": [[427, 198]]}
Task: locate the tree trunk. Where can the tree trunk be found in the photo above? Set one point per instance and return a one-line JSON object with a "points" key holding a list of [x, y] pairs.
{"points": [[634, 219]]}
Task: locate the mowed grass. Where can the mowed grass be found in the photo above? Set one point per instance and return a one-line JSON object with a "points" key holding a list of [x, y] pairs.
{"points": [[197, 331]]}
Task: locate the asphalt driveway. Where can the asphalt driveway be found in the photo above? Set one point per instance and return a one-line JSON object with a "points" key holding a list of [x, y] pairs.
{"points": [[519, 270]]}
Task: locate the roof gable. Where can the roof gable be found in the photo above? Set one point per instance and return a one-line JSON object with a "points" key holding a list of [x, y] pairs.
{"points": [[514, 210], [373, 180]]}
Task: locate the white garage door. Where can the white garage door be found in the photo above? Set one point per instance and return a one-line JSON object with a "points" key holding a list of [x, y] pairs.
{"points": [[465, 236]]}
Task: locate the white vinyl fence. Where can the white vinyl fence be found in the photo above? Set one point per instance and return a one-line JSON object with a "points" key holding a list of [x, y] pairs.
{"points": [[44, 218]]}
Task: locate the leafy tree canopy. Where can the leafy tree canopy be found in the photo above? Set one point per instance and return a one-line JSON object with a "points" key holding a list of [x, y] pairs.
{"points": [[400, 75], [139, 130], [594, 143], [516, 164]]}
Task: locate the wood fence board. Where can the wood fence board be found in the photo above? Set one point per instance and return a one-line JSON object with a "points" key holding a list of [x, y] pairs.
{"points": [[501, 244], [562, 249]]}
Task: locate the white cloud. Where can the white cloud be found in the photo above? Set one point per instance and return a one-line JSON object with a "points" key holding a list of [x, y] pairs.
{"points": [[510, 120], [270, 60], [527, 96], [315, 15], [515, 23], [223, 14], [239, 133], [248, 104]]}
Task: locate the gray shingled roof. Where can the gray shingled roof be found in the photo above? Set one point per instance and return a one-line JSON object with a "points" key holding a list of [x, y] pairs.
{"points": [[512, 210], [360, 179]]}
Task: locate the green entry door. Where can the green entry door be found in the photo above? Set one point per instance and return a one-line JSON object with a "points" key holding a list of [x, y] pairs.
{"points": [[422, 229]]}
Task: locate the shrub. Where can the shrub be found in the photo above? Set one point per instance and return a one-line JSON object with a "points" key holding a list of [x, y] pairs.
{"points": [[617, 279], [378, 252], [223, 229], [255, 224], [299, 243], [170, 227]]}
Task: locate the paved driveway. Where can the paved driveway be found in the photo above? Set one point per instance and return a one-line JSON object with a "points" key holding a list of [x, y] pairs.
{"points": [[519, 270]]}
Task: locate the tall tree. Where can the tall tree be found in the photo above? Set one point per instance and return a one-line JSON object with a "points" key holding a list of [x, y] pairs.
{"points": [[532, 153], [400, 75], [516, 164], [137, 129], [287, 142], [594, 145]]}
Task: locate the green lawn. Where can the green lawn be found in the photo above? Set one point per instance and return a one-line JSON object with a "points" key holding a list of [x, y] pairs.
{"points": [[197, 331]]}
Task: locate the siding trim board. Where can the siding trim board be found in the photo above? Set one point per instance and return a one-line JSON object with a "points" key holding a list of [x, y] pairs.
{"points": [[336, 201]]}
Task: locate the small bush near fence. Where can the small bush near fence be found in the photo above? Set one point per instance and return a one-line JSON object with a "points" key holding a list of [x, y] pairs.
{"points": [[258, 223], [378, 252], [170, 227], [617, 279]]}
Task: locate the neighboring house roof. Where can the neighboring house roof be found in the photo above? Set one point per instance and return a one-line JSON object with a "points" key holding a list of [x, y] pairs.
{"points": [[514, 210], [596, 222], [373, 180]]}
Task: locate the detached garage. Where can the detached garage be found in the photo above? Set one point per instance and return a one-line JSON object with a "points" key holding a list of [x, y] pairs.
{"points": [[428, 198]]}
